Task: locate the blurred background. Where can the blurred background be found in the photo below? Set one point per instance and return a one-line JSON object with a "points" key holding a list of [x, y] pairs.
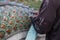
{"points": [[31, 3], [24, 11]]}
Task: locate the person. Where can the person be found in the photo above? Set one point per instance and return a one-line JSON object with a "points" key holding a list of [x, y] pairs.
{"points": [[48, 20]]}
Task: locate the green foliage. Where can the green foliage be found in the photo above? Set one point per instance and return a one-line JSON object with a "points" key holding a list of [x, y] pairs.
{"points": [[33, 3]]}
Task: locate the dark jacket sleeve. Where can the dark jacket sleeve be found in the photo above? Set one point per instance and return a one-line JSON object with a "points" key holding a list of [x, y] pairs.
{"points": [[47, 15]]}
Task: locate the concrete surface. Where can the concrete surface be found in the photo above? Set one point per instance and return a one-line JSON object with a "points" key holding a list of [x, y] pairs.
{"points": [[41, 37], [18, 36], [23, 34]]}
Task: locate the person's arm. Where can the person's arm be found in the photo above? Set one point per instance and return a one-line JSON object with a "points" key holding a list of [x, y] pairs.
{"points": [[47, 15]]}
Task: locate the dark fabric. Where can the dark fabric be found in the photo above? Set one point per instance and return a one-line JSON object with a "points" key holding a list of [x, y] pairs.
{"points": [[47, 19]]}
